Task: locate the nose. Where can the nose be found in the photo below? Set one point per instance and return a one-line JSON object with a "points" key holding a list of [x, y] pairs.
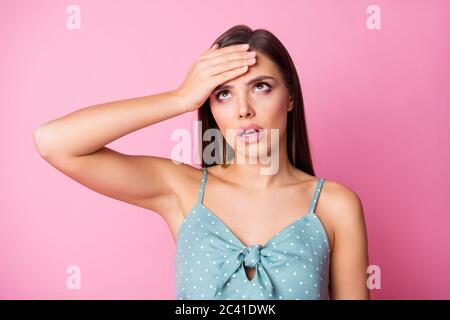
{"points": [[244, 110], [246, 114]]}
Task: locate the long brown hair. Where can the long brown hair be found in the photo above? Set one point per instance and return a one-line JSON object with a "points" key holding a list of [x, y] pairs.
{"points": [[297, 136]]}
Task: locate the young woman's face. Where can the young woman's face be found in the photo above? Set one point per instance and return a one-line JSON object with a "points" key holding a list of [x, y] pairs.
{"points": [[264, 103]]}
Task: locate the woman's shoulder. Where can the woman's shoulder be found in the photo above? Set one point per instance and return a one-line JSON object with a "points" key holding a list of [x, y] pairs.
{"points": [[334, 196], [339, 198], [341, 208], [332, 192], [338, 205]]}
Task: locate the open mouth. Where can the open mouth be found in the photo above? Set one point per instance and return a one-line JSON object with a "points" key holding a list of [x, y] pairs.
{"points": [[249, 132], [251, 135]]}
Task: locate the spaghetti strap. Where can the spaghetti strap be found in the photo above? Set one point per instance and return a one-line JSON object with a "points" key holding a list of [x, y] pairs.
{"points": [[202, 185], [319, 184]]}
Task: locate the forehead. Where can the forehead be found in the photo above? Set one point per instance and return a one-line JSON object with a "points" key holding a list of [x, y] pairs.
{"points": [[263, 66]]}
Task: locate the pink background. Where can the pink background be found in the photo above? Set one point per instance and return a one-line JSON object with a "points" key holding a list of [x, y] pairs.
{"points": [[377, 109]]}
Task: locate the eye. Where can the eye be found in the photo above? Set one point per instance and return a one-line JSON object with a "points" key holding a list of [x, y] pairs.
{"points": [[264, 83], [258, 85]]}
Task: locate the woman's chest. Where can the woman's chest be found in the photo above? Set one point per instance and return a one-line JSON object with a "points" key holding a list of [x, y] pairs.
{"points": [[254, 218]]}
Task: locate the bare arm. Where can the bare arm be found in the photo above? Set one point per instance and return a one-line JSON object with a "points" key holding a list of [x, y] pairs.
{"points": [[75, 145], [86, 130], [349, 259]]}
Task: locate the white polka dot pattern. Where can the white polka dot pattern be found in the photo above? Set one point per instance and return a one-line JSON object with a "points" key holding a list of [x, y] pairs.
{"points": [[209, 260]]}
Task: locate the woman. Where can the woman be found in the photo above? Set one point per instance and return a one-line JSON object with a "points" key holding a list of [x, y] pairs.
{"points": [[244, 234]]}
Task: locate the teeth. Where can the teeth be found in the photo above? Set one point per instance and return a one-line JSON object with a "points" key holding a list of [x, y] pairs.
{"points": [[250, 131]]}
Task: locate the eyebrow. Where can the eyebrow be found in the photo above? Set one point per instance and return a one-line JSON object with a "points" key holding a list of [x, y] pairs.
{"points": [[257, 79]]}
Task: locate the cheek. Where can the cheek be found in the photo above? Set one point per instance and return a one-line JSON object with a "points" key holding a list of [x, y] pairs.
{"points": [[275, 114], [223, 118]]}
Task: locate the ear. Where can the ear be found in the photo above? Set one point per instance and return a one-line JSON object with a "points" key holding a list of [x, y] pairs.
{"points": [[291, 104]]}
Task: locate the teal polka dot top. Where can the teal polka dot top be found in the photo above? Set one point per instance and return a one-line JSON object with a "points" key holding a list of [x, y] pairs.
{"points": [[209, 260]]}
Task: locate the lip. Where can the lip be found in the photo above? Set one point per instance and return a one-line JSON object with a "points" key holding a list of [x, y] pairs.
{"points": [[254, 138], [242, 129]]}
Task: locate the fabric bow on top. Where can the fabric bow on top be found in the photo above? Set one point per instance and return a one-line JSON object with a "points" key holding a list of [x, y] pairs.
{"points": [[249, 257]]}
